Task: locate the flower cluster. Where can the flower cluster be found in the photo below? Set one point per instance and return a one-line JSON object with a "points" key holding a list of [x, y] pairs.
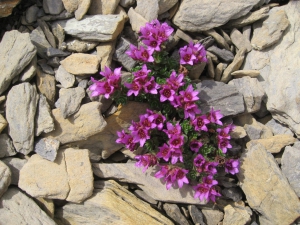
{"points": [[187, 146]]}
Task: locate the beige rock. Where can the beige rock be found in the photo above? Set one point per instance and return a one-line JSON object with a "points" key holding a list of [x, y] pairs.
{"points": [[242, 73], [266, 188], [235, 216], [121, 11], [197, 70], [276, 143], [239, 40], [235, 65], [105, 52], [111, 204], [226, 37], [46, 85], [70, 5], [148, 9], [5, 177], [104, 7], [271, 31], [81, 64], [212, 217], [46, 205], [184, 36], [210, 68], [86, 122], [219, 71], [238, 132], [219, 39], [83, 6], [136, 20], [247, 30], [75, 45], [165, 5], [69, 177], [3, 123]]}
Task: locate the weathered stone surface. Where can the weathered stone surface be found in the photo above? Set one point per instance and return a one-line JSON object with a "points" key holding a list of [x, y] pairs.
{"points": [[46, 85], [197, 70], [43, 119], [17, 208], [252, 92], [196, 215], [142, 195], [271, 31], [31, 13], [94, 28], [70, 5], [5, 177], [239, 40], [211, 94], [65, 78], [7, 148], [235, 216], [38, 38], [278, 128], [75, 45], [15, 165], [233, 193], [105, 53], [21, 106], [54, 52], [103, 7], [13, 61], [257, 130], [173, 211], [121, 56], [104, 143], [6, 7], [29, 71], [3, 123], [223, 54], [235, 65], [50, 37], [147, 9], [47, 148], [59, 35], [238, 132], [291, 168], [80, 64], [218, 38], [83, 7], [86, 122], [249, 18], [156, 188], [45, 67], [110, 204], [212, 217], [53, 6], [266, 188], [136, 20], [276, 143], [46, 205], [282, 91], [165, 5], [69, 177], [242, 73], [203, 15]]}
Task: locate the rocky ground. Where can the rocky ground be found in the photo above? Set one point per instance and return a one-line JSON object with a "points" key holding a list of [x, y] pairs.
{"points": [[59, 163]]}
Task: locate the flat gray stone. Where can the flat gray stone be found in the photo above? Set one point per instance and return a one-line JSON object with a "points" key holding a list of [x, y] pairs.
{"points": [[141, 194], [165, 5], [196, 215], [239, 40], [5, 177], [45, 67], [220, 96], [278, 128], [173, 211], [47, 148], [21, 107], [38, 38], [54, 52], [31, 14], [147, 9], [53, 6], [212, 216], [94, 28], [15, 165], [29, 71], [7, 148], [222, 54], [75, 45], [13, 61], [65, 78], [50, 37]]}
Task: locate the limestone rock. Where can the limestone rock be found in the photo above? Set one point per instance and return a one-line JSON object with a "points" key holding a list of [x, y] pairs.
{"points": [[165, 5], [43, 119], [75, 45], [29, 71], [105, 53], [66, 79], [5, 177], [147, 9], [271, 31], [6, 7], [173, 211], [242, 73], [112, 204], [218, 38], [69, 100], [291, 168], [46, 85], [235, 216], [13, 61], [212, 216], [223, 54], [196, 215], [21, 107], [86, 122], [103, 7], [7, 148], [15, 165], [70, 5], [53, 6], [69, 177], [31, 14], [136, 20], [238, 132], [142, 195], [211, 94], [47, 148], [83, 7], [3, 123], [18, 208], [239, 40], [196, 16], [50, 37], [156, 188], [252, 92], [79, 64], [278, 128], [94, 28], [38, 38], [266, 188]]}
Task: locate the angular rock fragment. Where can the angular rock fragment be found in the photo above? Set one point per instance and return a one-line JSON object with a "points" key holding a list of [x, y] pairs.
{"points": [[75, 45], [222, 54], [278, 128], [46, 85], [38, 38], [47, 148], [6, 7], [147, 9], [29, 71], [65, 78], [7, 148], [3, 123], [173, 211], [212, 216], [15, 165], [5, 177], [236, 216], [103, 7], [136, 20], [239, 40], [105, 53], [53, 6]]}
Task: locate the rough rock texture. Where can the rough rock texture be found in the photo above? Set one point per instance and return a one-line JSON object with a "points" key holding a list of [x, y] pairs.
{"points": [[173, 211], [7, 148], [103, 7], [281, 58], [5, 177], [278, 128], [17, 208], [110, 204], [94, 28], [13, 61], [66, 79], [147, 9], [266, 188], [53, 6], [69, 177], [206, 14], [86, 122], [75, 45], [46, 85], [21, 106], [7, 6], [212, 217], [38, 38], [156, 188], [235, 216], [47, 148], [15, 165]]}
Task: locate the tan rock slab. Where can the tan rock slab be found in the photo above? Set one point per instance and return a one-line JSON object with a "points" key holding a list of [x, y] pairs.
{"points": [[136, 20], [219, 39], [239, 40], [5, 177], [3, 123], [235, 216], [103, 7], [105, 53], [243, 73], [276, 143], [46, 85], [148, 9], [81, 64], [83, 7]]}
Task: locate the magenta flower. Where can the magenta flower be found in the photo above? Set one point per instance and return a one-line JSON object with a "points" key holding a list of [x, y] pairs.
{"points": [[126, 139], [202, 191], [181, 177], [164, 32], [172, 129], [210, 181], [134, 88], [142, 72], [189, 94], [210, 167], [176, 141], [223, 132], [152, 44], [145, 55], [169, 174], [190, 110], [166, 93], [175, 81], [146, 31], [215, 116], [223, 144], [132, 52], [186, 55], [195, 145], [147, 121], [176, 155], [199, 52], [212, 194], [151, 86], [140, 133], [145, 161], [107, 73], [106, 89], [232, 166], [200, 122], [95, 87], [199, 162], [159, 120], [164, 152]]}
